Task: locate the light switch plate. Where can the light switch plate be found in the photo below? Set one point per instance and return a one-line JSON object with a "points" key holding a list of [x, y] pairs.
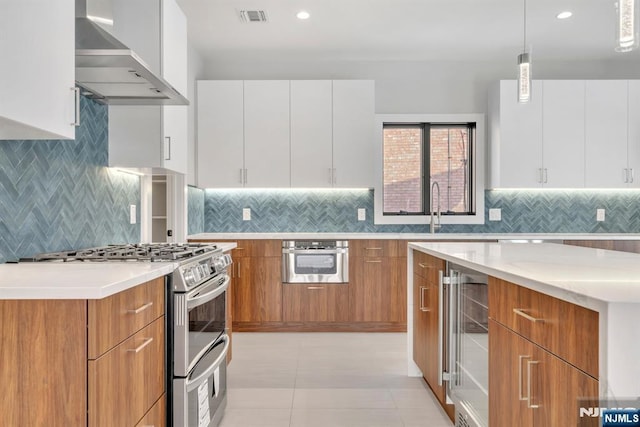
{"points": [[362, 214], [132, 214], [495, 214], [599, 214], [246, 214]]}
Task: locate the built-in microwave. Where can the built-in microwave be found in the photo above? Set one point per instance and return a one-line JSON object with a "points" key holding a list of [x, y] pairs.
{"points": [[320, 261]]}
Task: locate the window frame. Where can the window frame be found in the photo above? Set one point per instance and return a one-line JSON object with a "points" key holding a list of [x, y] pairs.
{"points": [[477, 167]]}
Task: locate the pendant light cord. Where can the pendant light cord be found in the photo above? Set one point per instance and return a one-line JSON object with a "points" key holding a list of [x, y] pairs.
{"points": [[524, 47]]}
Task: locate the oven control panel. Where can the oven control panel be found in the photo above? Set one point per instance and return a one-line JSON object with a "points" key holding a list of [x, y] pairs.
{"points": [[196, 272]]}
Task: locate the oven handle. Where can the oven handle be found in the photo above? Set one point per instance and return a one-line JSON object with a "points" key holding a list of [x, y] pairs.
{"points": [[197, 297], [192, 384], [286, 251]]}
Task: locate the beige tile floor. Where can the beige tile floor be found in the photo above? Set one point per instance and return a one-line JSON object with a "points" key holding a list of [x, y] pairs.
{"points": [[326, 380]]}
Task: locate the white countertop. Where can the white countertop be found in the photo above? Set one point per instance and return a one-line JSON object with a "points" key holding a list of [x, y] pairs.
{"points": [[580, 275], [79, 280], [418, 236]]}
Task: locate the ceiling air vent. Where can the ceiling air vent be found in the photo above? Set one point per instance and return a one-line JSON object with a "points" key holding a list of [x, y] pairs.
{"points": [[253, 15]]}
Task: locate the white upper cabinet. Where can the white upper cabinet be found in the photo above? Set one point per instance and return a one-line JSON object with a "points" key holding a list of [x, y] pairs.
{"points": [[220, 136], [152, 136], [632, 174], [563, 133], [516, 137], [311, 133], [37, 76], [606, 133], [266, 133], [353, 124]]}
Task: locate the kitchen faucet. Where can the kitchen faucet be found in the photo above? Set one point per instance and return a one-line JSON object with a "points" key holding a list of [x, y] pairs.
{"points": [[432, 225]]}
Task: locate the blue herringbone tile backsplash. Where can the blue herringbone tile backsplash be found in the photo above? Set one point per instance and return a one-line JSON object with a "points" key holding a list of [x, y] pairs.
{"points": [[59, 194], [335, 211], [195, 201]]}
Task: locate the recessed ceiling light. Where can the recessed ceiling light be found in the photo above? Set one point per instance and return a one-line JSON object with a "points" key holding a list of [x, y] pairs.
{"points": [[564, 15], [303, 14]]}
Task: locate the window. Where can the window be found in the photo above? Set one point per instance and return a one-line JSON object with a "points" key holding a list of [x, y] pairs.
{"points": [[415, 154], [418, 155]]}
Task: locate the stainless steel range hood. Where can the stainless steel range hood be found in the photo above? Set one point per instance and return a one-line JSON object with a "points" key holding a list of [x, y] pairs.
{"points": [[113, 74]]}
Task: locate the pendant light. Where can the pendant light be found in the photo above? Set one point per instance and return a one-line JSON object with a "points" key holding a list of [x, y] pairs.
{"points": [[626, 25], [524, 66]]}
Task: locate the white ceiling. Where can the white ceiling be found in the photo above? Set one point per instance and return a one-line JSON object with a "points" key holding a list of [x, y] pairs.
{"points": [[382, 30]]}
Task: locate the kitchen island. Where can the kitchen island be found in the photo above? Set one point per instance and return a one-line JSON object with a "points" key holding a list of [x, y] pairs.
{"points": [[584, 286]]}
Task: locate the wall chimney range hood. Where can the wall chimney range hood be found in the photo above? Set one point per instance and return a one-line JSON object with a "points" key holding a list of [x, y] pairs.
{"points": [[111, 73]]}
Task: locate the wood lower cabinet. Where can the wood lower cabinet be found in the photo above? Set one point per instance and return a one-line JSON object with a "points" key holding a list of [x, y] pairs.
{"points": [[426, 328], [127, 380], [315, 302], [84, 362], [157, 415], [543, 358], [43, 363], [378, 282], [257, 293], [531, 387]]}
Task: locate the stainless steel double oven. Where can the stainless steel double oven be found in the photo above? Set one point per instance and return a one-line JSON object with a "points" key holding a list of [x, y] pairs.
{"points": [[198, 339]]}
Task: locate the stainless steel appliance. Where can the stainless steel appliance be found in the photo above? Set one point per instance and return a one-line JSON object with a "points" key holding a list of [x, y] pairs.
{"points": [[197, 342], [464, 344], [319, 261]]}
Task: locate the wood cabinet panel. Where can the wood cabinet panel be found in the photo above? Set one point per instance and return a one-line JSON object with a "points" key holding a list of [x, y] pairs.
{"points": [[257, 296], [157, 415], [613, 245], [126, 381], [531, 387], [258, 248], [315, 302], [377, 248], [565, 329], [43, 360], [115, 318]]}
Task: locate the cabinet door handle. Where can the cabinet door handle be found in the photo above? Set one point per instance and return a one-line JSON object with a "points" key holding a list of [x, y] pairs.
{"points": [[520, 393], [76, 118], [626, 175], [372, 249], [167, 152], [521, 312], [422, 265], [139, 348], [313, 288], [546, 176], [530, 397], [374, 261], [141, 308], [422, 307]]}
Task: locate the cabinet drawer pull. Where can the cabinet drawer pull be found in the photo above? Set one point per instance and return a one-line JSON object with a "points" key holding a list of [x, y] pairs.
{"points": [[520, 312], [422, 265], [315, 287], [372, 249], [529, 397], [141, 308], [375, 260], [422, 307], [139, 348]]}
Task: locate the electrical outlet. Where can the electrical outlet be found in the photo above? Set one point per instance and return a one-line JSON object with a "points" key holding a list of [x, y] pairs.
{"points": [[132, 214], [246, 214], [599, 214], [362, 214], [495, 214]]}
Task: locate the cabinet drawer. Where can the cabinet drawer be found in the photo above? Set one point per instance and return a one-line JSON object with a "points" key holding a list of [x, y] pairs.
{"points": [[257, 248], [315, 303], [565, 329], [423, 264], [117, 317], [377, 248], [157, 415], [126, 382]]}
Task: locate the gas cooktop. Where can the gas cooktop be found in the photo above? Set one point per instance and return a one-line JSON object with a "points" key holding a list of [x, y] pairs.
{"points": [[153, 252]]}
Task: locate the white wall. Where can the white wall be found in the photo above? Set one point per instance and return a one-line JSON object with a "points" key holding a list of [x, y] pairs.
{"points": [[195, 71], [422, 87]]}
